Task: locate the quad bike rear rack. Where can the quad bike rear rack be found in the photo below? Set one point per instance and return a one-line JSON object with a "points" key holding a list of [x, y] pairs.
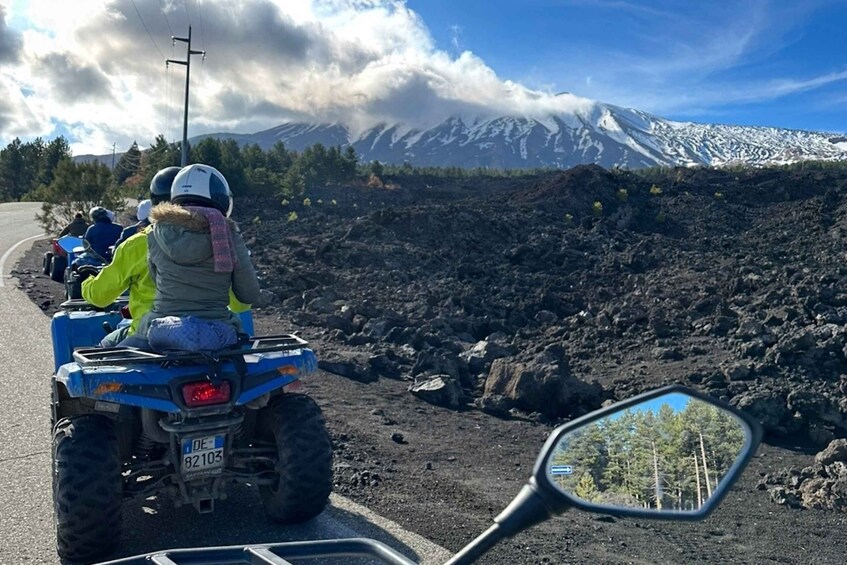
{"points": [[273, 554], [109, 356], [78, 304]]}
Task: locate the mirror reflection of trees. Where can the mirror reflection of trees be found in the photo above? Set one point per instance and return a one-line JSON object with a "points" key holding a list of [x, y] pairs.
{"points": [[665, 455]]}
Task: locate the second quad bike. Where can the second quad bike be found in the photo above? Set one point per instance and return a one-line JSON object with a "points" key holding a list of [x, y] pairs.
{"points": [[70, 261], [128, 423]]}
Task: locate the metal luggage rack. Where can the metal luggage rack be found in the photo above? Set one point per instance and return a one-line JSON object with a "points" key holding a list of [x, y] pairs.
{"points": [[287, 553], [103, 356], [78, 304]]}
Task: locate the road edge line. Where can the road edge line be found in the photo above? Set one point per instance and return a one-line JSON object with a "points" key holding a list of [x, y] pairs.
{"points": [[9, 252], [414, 541]]}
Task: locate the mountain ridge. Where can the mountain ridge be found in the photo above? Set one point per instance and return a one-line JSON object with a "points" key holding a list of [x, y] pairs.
{"points": [[603, 134], [579, 132]]}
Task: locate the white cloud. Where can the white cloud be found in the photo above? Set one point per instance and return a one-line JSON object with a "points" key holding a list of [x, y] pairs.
{"points": [[360, 61], [97, 68]]}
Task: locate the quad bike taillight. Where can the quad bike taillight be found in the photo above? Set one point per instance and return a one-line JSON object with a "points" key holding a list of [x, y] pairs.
{"points": [[205, 393], [57, 249]]}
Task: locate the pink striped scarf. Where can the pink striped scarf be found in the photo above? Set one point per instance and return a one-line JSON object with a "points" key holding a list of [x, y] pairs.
{"points": [[222, 246]]}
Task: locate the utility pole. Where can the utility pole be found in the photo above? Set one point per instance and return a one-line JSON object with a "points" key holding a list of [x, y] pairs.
{"points": [[187, 63], [113, 156]]}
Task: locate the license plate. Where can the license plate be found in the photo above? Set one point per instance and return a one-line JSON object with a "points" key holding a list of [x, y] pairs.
{"points": [[203, 455]]}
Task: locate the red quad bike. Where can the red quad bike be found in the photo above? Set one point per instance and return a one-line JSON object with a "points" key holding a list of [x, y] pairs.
{"points": [[671, 454], [55, 261]]}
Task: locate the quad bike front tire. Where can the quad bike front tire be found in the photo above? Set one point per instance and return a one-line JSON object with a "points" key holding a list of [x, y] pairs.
{"points": [[57, 268], [87, 488], [46, 262], [304, 465]]}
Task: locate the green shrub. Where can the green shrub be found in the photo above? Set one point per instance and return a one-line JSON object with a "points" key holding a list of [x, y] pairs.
{"points": [[622, 194], [597, 207], [656, 190], [292, 216], [719, 196], [307, 201], [569, 218]]}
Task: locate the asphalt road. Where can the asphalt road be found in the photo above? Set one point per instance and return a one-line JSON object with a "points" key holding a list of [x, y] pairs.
{"points": [[26, 528]]}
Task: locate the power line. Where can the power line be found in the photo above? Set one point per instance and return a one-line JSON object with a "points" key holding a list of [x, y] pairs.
{"points": [[147, 30], [168, 100], [165, 13], [199, 9], [187, 64]]}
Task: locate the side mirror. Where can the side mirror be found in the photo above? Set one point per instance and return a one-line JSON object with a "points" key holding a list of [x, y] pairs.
{"points": [[671, 453]]}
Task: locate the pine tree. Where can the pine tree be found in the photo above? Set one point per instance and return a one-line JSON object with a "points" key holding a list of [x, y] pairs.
{"points": [[12, 175], [586, 488], [55, 152], [76, 187], [128, 165]]}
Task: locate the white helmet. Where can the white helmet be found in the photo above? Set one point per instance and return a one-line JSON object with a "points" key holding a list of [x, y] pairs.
{"points": [[143, 210], [204, 185]]}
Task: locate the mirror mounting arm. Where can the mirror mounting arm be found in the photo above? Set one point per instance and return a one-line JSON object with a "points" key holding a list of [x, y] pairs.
{"points": [[527, 509]]}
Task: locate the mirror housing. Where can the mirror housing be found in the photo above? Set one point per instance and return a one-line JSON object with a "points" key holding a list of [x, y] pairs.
{"points": [[559, 481]]}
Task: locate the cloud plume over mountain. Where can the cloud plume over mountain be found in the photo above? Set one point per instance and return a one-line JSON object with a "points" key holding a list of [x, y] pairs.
{"points": [[360, 61], [95, 71]]}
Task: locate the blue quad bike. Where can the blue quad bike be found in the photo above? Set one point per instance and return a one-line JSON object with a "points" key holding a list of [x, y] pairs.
{"points": [[70, 262], [132, 424]]}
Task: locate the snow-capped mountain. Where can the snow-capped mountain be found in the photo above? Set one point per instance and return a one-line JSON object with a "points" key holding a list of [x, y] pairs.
{"points": [[599, 133]]}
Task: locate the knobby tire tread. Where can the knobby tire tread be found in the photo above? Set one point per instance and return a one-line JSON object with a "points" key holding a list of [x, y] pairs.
{"points": [[305, 460], [57, 268], [87, 489]]}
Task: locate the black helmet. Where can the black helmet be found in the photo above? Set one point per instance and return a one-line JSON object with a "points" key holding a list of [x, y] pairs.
{"points": [[202, 185], [160, 186], [98, 213]]}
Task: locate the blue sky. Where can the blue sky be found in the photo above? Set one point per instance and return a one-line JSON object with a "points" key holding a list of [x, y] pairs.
{"points": [[749, 62], [94, 71]]}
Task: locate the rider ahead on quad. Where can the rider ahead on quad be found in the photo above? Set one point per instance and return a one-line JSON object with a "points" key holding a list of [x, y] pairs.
{"points": [[134, 423]]}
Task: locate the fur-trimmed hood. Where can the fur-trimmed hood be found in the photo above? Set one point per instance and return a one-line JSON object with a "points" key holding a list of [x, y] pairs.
{"points": [[168, 213], [184, 236]]}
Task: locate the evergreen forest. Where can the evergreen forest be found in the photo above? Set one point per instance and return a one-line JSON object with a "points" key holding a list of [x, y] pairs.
{"points": [[664, 458]]}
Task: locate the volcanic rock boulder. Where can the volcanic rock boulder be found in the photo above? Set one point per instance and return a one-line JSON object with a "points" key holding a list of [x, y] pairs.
{"points": [[542, 385], [480, 355], [347, 366], [441, 390], [821, 486]]}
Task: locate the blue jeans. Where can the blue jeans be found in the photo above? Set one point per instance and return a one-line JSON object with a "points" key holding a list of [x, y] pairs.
{"points": [[135, 341]]}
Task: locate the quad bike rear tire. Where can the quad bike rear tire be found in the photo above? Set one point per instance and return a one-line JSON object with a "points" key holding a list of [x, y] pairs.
{"points": [[57, 268], [46, 262], [304, 466], [87, 488]]}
